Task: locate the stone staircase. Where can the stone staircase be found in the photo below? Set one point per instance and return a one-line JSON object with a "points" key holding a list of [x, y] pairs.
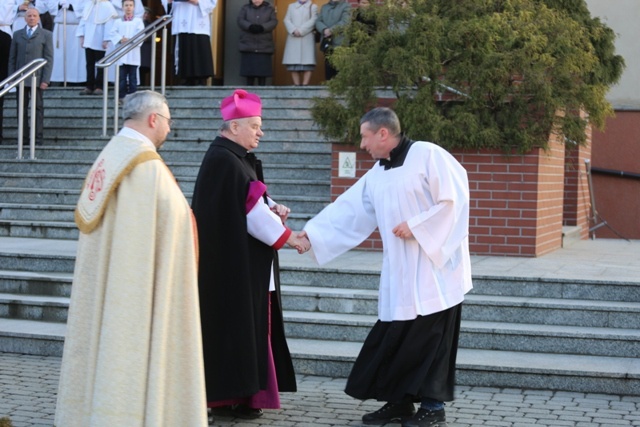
{"points": [[530, 333]]}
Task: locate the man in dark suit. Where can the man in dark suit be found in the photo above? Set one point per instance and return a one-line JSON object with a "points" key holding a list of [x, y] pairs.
{"points": [[33, 42]]}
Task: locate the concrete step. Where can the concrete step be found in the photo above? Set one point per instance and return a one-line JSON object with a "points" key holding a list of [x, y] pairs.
{"points": [[32, 337], [486, 308], [553, 311], [583, 289], [302, 205], [67, 230], [553, 288], [205, 131], [482, 335], [34, 307], [479, 368], [35, 256], [276, 187], [35, 284], [38, 229], [178, 167], [355, 328], [269, 155], [47, 196], [330, 300], [491, 368], [39, 212]]}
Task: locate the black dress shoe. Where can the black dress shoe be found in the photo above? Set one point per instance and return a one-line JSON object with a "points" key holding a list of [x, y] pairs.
{"points": [[245, 412], [389, 413], [236, 411], [425, 418]]}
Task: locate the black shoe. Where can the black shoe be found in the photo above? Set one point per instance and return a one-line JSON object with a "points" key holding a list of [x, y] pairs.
{"points": [[389, 413], [424, 418], [222, 411], [237, 411], [245, 412]]}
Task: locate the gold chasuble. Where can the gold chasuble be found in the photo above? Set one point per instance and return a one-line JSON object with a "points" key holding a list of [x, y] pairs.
{"points": [[133, 350]]}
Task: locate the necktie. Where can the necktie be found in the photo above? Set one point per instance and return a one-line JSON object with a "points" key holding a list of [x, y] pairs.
{"points": [[29, 31]]}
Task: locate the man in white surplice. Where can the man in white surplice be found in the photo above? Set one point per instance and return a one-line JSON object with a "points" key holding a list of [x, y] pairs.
{"points": [[417, 195], [191, 27]]}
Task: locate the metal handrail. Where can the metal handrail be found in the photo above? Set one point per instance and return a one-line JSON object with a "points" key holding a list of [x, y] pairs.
{"points": [[18, 78], [110, 59]]}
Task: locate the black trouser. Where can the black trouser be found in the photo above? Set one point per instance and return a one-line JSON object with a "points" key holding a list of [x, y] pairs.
{"points": [[46, 20], [5, 46], [94, 77], [39, 114]]}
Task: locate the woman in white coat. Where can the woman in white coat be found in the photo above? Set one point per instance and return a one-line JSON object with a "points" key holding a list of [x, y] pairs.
{"points": [[300, 50]]}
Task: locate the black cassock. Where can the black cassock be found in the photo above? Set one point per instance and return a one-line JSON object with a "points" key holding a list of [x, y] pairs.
{"points": [[234, 275]]}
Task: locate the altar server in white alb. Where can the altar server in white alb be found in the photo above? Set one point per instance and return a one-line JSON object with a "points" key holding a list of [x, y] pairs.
{"points": [[122, 31], [417, 195], [69, 64], [191, 27], [94, 29]]}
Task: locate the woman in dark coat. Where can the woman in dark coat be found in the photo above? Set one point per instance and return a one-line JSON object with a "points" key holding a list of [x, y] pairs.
{"points": [[257, 20]]}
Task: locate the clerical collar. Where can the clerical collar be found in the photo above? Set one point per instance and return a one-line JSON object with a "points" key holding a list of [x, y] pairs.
{"points": [[235, 148], [398, 154]]}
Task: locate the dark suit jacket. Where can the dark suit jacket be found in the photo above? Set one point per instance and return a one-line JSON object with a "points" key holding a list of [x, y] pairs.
{"points": [[24, 50]]}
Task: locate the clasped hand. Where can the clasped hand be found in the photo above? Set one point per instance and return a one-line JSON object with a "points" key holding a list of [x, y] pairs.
{"points": [[299, 241]]}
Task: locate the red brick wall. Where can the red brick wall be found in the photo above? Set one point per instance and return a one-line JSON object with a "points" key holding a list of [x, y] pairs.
{"points": [[617, 198]]}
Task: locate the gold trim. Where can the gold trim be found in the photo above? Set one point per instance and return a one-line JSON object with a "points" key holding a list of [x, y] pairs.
{"points": [[88, 227]]}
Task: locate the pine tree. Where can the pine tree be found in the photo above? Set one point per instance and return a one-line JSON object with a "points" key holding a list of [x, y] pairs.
{"points": [[475, 73]]}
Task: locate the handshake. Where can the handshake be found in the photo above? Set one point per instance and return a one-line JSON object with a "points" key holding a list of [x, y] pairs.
{"points": [[299, 241]]}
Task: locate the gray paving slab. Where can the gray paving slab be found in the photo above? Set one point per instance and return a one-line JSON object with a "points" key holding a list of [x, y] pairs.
{"points": [[28, 389]]}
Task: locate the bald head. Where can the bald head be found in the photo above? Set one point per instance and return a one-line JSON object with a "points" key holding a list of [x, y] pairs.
{"points": [[32, 17]]}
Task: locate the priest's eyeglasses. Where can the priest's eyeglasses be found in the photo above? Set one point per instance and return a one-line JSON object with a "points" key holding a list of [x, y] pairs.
{"points": [[171, 122]]}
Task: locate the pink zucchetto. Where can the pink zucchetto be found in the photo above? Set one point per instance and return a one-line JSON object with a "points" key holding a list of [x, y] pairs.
{"points": [[240, 105]]}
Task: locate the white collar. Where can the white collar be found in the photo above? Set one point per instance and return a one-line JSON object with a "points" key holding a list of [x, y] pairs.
{"points": [[134, 134]]}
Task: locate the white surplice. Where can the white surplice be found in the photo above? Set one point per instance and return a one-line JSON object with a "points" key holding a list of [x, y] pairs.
{"points": [[420, 276], [67, 51], [190, 18]]}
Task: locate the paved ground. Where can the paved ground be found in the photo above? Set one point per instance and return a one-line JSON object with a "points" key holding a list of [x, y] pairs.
{"points": [[28, 394], [28, 383]]}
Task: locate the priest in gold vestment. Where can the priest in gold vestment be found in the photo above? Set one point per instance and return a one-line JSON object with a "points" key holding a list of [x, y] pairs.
{"points": [[133, 349]]}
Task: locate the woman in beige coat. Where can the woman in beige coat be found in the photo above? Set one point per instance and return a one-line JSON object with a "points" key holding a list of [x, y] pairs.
{"points": [[300, 50]]}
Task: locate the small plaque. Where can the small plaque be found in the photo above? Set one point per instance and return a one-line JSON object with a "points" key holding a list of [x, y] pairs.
{"points": [[346, 165]]}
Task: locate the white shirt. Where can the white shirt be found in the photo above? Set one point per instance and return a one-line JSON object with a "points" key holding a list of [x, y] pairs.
{"points": [[419, 276], [134, 134], [128, 29], [263, 224]]}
